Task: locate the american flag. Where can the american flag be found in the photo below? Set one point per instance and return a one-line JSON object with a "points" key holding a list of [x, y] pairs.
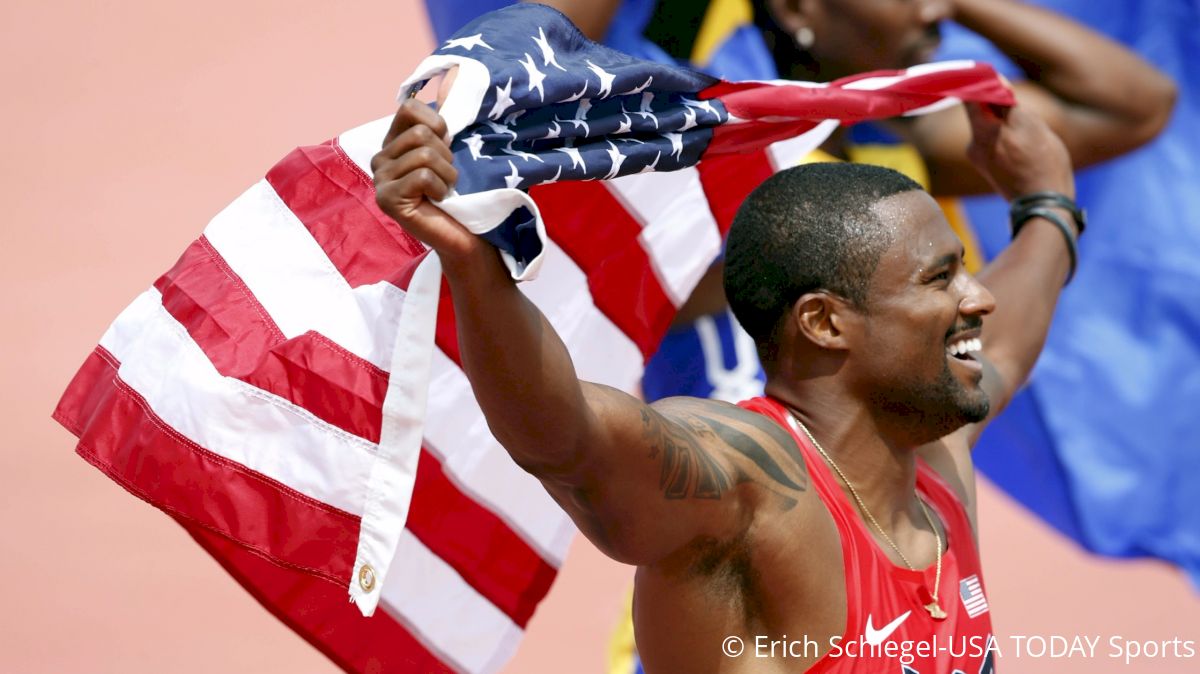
{"points": [[973, 599], [256, 392]]}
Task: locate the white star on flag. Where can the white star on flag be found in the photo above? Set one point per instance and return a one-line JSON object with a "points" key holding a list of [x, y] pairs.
{"points": [[576, 158], [548, 57], [644, 111], [523, 155], [553, 131], [468, 43], [575, 97], [499, 128], [580, 116], [550, 181], [504, 100], [639, 89], [513, 179], [702, 105], [474, 143], [535, 76], [689, 119], [652, 166], [626, 125], [606, 79], [617, 159], [676, 144]]}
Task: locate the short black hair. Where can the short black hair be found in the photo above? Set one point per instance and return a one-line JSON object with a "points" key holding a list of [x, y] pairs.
{"points": [[807, 228]]}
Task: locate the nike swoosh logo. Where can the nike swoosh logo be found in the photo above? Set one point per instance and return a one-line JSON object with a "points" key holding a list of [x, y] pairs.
{"points": [[875, 637]]}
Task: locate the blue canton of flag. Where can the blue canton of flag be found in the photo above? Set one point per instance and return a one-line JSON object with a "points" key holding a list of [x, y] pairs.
{"points": [[535, 102], [556, 106]]}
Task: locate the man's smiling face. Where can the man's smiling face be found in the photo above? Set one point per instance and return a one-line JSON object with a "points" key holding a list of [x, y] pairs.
{"points": [[922, 325]]}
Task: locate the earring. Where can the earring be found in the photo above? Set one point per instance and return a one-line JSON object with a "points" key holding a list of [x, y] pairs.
{"points": [[804, 37]]}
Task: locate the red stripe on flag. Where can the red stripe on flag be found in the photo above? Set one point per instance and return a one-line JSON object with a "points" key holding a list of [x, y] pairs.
{"points": [[736, 139], [132, 445], [758, 100], [596, 231], [728, 180], [319, 612], [238, 336], [234, 332], [473, 540], [335, 201], [120, 435], [363, 243]]}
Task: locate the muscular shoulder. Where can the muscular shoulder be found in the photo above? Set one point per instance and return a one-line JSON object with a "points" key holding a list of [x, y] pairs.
{"points": [[709, 447]]}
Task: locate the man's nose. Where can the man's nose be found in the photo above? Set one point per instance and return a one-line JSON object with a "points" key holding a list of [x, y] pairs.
{"points": [[977, 300]]}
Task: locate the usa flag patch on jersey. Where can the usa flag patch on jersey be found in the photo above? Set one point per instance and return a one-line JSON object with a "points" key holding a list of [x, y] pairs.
{"points": [[973, 599]]}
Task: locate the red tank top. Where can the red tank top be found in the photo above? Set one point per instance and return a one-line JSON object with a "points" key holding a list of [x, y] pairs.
{"points": [[887, 627]]}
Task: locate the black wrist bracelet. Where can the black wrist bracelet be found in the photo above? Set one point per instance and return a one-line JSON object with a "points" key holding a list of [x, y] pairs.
{"points": [[1019, 218], [1047, 198]]}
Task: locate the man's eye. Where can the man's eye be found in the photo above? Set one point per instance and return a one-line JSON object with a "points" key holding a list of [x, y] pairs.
{"points": [[942, 276]]}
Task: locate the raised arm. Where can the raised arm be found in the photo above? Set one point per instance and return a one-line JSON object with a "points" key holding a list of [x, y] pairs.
{"points": [[1102, 99], [641, 482]]}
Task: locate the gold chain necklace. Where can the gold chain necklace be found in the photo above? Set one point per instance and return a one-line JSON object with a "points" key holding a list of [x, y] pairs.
{"points": [[934, 608]]}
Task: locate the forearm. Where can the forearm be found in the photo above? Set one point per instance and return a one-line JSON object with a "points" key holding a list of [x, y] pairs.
{"points": [[1076, 64], [519, 368], [1026, 280]]}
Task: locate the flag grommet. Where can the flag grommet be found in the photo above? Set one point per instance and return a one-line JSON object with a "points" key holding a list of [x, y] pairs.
{"points": [[366, 577]]}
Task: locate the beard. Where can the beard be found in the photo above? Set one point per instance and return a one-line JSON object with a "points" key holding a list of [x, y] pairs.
{"points": [[932, 409]]}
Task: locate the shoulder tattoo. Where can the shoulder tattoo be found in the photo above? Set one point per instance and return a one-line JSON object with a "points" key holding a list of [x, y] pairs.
{"points": [[689, 469]]}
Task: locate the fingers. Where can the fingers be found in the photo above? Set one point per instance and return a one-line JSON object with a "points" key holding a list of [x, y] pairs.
{"points": [[434, 176], [415, 164], [417, 147], [401, 194], [412, 113]]}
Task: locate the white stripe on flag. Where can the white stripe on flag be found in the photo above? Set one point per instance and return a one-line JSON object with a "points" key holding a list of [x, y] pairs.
{"points": [[885, 81], [445, 613], [284, 267], [224, 415], [788, 153], [600, 351], [679, 232]]}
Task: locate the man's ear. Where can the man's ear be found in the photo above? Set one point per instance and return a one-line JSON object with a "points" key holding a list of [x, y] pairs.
{"points": [[823, 318], [791, 15]]}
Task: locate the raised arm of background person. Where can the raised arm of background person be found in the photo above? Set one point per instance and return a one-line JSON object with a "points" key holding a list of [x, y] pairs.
{"points": [[641, 482], [1020, 154], [592, 17], [1102, 99]]}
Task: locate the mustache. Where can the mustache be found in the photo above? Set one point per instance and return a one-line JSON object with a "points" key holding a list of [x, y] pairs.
{"points": [[970, 323]]}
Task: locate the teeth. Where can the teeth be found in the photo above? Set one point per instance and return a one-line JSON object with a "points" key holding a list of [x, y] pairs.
{"points": [[965, 346]]}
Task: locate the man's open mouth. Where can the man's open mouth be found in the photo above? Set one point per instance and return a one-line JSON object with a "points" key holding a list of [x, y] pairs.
{"points": [[963, 349]]}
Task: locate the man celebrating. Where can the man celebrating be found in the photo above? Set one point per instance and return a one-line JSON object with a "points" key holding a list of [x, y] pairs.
{"points": [[837, 511]]}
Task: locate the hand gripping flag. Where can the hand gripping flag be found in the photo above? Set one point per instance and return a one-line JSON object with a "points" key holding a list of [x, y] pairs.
{"points": [[270, 390]]}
